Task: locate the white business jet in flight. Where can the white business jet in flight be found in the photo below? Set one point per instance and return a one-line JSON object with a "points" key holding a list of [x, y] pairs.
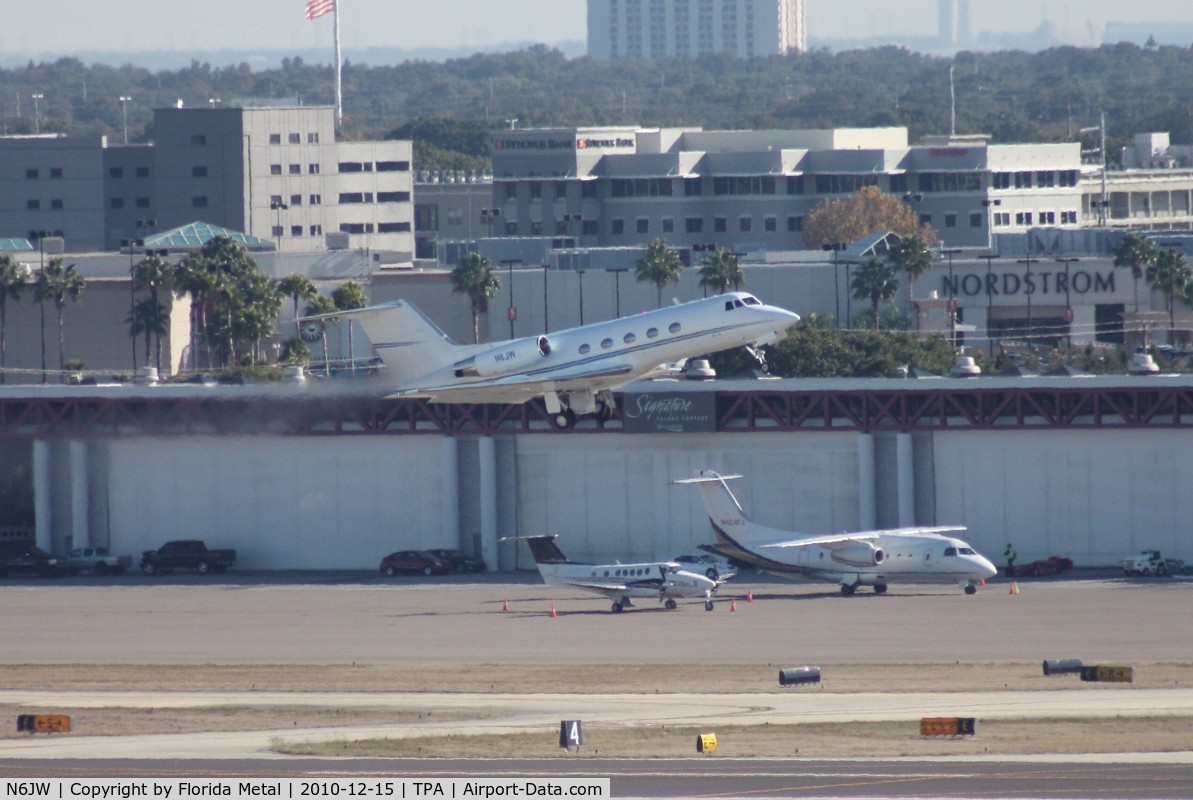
{"points": [[664, 580], [576, 370], [869, 558]]}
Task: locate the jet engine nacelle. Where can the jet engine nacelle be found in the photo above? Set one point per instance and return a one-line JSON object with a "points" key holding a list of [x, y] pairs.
{"points": [[510, 357], [859, 554]]}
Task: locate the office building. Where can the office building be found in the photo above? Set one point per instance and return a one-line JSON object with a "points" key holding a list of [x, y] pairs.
{"points": [[658, 29]]}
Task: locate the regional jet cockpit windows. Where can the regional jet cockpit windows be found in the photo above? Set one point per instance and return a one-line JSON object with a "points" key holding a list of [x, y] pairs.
{"points": [[950, 551], [750, 300]]}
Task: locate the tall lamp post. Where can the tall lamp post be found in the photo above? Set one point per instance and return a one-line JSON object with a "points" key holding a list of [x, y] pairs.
{"points": [[580, 275], [512, 313], [143, 225], [1067, 260], [124, 115], [952, 301], [836, 247], [37, 112], [546, 319], [1028, 291], [617, 288], [989, 301], [41, 252], [278, 206]]}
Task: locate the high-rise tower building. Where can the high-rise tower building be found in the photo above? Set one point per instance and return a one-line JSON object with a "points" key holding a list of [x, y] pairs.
{"points": [[657, 29]]}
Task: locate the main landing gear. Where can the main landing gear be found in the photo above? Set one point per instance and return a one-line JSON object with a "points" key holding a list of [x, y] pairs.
{"points": [[971, 589], [564, 410]]}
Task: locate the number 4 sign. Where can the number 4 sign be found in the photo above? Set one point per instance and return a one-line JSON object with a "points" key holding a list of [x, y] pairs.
{"points": [[571, 734]]}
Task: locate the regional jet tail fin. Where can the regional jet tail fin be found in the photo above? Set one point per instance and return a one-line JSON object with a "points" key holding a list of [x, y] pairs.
{"points": [[408, 343], [543, 548], [720, 504]]}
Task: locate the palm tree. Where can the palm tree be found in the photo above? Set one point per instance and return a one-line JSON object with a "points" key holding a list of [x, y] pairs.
{"points": [[192, 277], [62, 283], [297, 287], [876, 282], [913, 257], [321, 304], [659, 265], [474, 276], [347, 296], [154, 274], [148, 318], [12, 280], [1136, 252], [1169, 274], [722, 271]]}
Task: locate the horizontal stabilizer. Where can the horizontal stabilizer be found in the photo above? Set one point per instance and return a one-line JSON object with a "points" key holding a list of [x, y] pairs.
{"points": [[714, 478], [543, 548]]}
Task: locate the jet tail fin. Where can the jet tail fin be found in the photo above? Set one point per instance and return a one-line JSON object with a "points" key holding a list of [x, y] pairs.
{"points": [[719, 502], [543, 548], [408, 343]]}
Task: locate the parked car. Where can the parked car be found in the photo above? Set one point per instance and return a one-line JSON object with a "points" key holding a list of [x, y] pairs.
{"points": [[1045, 566], [27, 559], [460, 561], [186, 554], [94, 559], [414, 562], [707, 565]]}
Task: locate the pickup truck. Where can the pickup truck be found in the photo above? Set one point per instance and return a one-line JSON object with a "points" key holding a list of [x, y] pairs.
{"points": [[1150, 562], [186, 554]]}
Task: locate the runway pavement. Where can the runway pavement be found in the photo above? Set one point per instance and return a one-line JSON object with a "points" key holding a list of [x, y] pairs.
{"points": [[239, 620]]}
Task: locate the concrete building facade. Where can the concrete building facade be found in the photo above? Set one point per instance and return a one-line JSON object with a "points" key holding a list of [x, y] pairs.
{"points": [[658, 29], [750, 190], [277, 173]]}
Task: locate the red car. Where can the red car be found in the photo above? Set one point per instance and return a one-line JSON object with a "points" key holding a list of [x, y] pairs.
{"points": [[414, 562]]}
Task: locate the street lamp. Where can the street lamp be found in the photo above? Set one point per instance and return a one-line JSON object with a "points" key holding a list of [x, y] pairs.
{"points": [[1028, 291], [580, 275], [512, 314], [952, 301], [837, 247], [37, 112], [1067, 260], [41, 250], [278, 206], [124, 115], [546, 319], [989, 301], [143, 225], [617, 287]]}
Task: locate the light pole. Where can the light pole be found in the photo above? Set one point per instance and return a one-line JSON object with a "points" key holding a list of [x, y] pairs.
{"points": [[836, 247], [617, 288], [580, 275], [952, 301], [1028, 291], [989, 302], [124, 115], [512, 313], [278, 206], [143, 225], [41, 252], [1067, 260], [37, 112], [546, 320]]}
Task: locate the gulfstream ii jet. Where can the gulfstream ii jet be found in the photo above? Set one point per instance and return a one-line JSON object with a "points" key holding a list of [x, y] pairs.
{"points": [[662, 580], [866, 558], [576, 370]]}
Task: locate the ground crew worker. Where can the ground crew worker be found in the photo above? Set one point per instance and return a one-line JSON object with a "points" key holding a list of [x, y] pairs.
{"points": [[1010, 556]]}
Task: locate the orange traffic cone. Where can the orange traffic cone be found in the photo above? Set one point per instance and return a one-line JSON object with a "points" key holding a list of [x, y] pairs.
{"points": [[554, 613], [733, 604], [505, 604], [1014, 588], [749, 595]]}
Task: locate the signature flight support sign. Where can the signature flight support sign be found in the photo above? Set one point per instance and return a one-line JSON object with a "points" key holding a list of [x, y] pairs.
{"points": [[670, 412]]}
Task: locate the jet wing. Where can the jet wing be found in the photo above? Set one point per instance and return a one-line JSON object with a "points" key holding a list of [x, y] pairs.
{"points": [[833, 541], [518, 387]]}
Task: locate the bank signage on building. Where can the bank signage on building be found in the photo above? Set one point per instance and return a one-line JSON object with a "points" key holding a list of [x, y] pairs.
{"points": [[677, 412], [556, 144]]}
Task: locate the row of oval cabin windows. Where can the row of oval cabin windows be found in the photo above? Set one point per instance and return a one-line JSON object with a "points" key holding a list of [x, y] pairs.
{"points": [[624, 573], [630, 338]]}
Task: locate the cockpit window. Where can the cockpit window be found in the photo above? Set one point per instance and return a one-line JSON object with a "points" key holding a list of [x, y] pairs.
{"points": [[966, 551], [950, 551], [750, 300], [728, 305], [737, 303]]}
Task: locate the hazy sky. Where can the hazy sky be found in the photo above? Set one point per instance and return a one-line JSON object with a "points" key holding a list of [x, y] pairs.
{"points": [[63, 26]]}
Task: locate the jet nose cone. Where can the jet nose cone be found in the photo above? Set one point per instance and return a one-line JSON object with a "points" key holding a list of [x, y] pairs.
{"points": [[987, 569]]}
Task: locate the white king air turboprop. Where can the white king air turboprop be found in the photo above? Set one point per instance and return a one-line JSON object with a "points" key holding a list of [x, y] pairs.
{"points": [[869, 558], [664, 580], [576, 370]]}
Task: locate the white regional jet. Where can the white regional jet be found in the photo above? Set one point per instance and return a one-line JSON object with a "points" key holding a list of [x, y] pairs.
{"points": [[664, 580], [573, 370], [870, 558]]}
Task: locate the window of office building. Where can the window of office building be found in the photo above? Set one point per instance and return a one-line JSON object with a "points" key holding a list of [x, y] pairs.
{"points": [[843, 184], [199, 140], [949, 182], [56, 203], [589, 190], [316, 230], [32, 174], [350, 198], [275, 138], [277, 231], [536, 190], [1067, 177], [795, 184], [589, 227], [770, 223], [668, 225], [640, 187], [511, 228], [561, 190], [296, 169], [536, 227], [720, 224], [1023, 180], [295, 138], [1023, 218], [312, 169], [32, 204], [975, 219], [693, 224], [393, 166], [1068, 218], [692, 187], [393, 227], [950, 220], [1047, 218], [199, 201], [356, 166], [316, 199], [198, 172], [142, 172], [925, 219], [511, 191], [56, 172], [617, 227], [745, 224], [142, 202], [116, 202], [275, 200], [116, 172], [1002, 219], [1000, 180], [296, 230], [744, 185], [898, 183], [275, 169], [1046, 179], [312, 138], [795, 223], [643, 225], [295, 199]]}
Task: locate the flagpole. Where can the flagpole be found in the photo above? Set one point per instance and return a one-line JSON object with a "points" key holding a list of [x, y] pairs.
{"points": [[339, 62]]}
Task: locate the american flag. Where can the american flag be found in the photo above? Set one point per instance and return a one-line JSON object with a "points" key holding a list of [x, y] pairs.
{"points": [[317, 8]]}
